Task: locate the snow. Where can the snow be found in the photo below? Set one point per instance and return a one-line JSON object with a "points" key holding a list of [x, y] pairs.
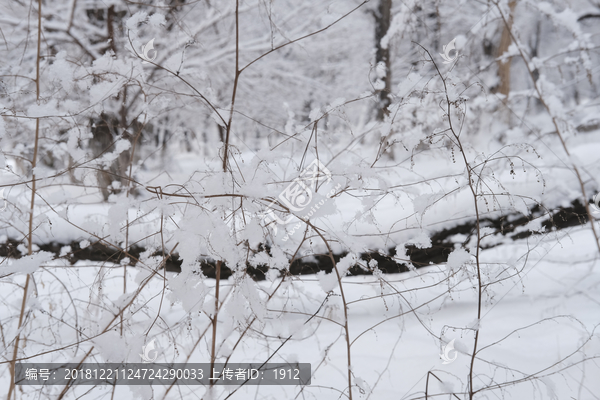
{"points": [[536, 321], [136, 19], [457, 259], [156, 20], [26, 264], [450, 152]]}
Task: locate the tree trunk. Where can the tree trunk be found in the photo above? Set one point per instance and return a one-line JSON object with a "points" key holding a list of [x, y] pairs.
{"points": [[505, 41], [383, 17]]}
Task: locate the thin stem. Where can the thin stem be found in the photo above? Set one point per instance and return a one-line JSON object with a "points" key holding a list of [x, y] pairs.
{"points": [[427, 384], [32, 203], [556, 126], [225, 155], [345, 304], [305, 36], [474, 194], [235, 84], [109, 325], [213, 356], [124, 125]]}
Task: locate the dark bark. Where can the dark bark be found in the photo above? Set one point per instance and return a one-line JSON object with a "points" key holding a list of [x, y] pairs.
{"points": [[383, 18], [110, 20], [106, 130], [108, 127], [505, 41], [588, 16], [442, 245]]}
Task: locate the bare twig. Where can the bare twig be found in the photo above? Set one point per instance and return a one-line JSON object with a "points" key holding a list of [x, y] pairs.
{"points": [[555, 122], [473, 189], [32, 203]]}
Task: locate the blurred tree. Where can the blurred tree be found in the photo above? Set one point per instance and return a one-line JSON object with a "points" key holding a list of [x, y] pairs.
{"points": [[383, 17], [505, 41]]}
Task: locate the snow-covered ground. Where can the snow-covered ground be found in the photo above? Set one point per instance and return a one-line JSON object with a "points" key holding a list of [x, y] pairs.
{"points": [[375, 208], [470, 140], [539, 320], [538, 336]]}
